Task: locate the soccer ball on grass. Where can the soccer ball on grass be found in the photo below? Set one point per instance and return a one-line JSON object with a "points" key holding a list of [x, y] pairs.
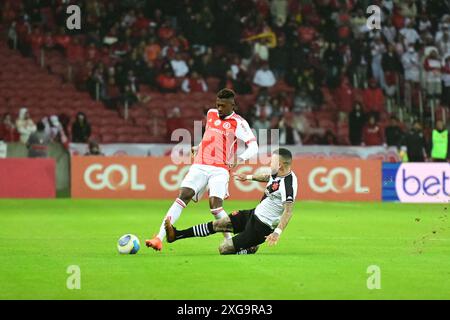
{"points": [[128, 244]]}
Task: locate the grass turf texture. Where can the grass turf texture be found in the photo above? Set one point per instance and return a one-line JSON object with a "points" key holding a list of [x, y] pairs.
{"points": [[323, 254]]}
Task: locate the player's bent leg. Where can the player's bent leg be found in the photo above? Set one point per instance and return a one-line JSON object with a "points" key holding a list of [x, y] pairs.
{"points": [[201, 230], [216, 205], [227, 247], [172, 215], [186, 194]]}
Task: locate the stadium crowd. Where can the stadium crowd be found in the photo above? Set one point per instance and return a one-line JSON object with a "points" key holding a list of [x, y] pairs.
{"points": [[297, 57]]}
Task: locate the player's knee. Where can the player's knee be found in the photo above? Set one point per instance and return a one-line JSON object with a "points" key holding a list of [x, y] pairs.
{"points": [[186, 194], [215, 202]]}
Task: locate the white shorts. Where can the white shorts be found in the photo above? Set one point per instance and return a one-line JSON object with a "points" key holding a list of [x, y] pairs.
{"points": [[200, 177]]}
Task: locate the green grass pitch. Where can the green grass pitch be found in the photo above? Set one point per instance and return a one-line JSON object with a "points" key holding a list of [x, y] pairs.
{"points": [[323, 254]]}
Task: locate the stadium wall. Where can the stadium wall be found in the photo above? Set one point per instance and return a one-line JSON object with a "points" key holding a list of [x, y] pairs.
{"points": [[27, 178], [56, 152]]}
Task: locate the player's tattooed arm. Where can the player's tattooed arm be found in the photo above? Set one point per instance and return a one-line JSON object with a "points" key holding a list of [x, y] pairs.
{"points": [[256, 177], [272, 239]]}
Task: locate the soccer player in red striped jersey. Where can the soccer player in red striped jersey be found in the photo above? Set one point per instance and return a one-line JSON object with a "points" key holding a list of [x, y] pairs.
{"points": [[214, 158]]}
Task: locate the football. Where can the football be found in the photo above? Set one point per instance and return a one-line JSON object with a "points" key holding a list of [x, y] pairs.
{"points": [[128, 244]]}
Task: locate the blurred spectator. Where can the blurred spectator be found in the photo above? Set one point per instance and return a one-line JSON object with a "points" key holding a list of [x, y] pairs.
{"points": [[174, 121], [152, 50], [446, 82], [55, 130], [306, 127], [261, 50], [333, 63], [358, 22], [242, 85], [410, 35], [81, 129], [194, 83], [411, 64], [8, 131], [263, 106], [279, 106], [12, 35], [440, 143], [433, 67], [94, 149], [378, 48], [166, 82], [444, 44], [414, 142], [372, 133], [75, 51], [329, 139], [25, 126], [279, 11], [392, 70], [129, 97], [261, 123], [264, 77], [373, 99], [389, 32], [408, 9], [179, 66], [302, 101], [344, 95], [279, 58], [38, 142], [288, 133], [393, 133], [356, 122]]}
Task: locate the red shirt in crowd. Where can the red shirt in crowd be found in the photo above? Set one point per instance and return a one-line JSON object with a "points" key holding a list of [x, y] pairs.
{"points": [[373, 100], [306, 34], [75, 52], [37, 40], [63, 40], [196, 85], [92, 53], [166, 82], [49, 41], [166, 33], [344, 96], [8, 134], [372, 135]]}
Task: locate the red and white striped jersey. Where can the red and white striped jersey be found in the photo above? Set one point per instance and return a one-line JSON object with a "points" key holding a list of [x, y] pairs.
{"points": [[219, 143]]}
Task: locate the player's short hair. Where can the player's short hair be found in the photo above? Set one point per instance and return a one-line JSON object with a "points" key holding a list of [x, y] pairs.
{"points": [[285, 154], [226, 94]]}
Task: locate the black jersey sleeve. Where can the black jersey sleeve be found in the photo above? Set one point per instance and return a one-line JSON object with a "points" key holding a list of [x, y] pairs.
{"points": [[287, 194]]}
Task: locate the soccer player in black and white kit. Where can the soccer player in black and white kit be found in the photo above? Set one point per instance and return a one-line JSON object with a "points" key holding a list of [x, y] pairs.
{"points": [[253, 227]]}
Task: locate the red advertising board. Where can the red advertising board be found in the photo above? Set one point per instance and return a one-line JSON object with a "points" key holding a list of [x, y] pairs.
{"points": [[339, 180], [27, 178], [160, 178], [141, 178]]}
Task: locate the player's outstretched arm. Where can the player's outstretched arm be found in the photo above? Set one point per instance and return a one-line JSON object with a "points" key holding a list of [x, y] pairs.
{"points": [[272, 239], [256, 177]]}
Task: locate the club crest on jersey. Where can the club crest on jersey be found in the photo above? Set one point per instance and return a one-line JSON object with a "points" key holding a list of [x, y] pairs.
{"points": [[226, 125], [275, 185], [217, 123]]}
